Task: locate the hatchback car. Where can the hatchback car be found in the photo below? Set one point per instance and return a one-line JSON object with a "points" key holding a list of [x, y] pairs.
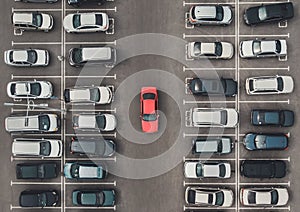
{"points": [[26, 57], [94, 198], [94, 122], [203, 196], [213, 117], [264, 196], [263, 48], [32, 21], [84, 170], [88, 95], [269, 85], [77, 3], [207, 87], [212, 50], [149, 106], [207, 170], [93, 56], [254, 141], [263, 168], [41, 199], [86, 22], [211, 15], [33, 124], [29, 147], [36, 170], [282, 118], [267, 13], [29, 89], [222, 145], [92, 147]]}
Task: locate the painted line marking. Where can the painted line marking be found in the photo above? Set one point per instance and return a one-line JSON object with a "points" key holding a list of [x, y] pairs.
{"points": [[34, 183]]}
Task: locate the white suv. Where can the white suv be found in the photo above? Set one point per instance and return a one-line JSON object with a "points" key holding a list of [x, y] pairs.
{"points": [[26, 57], [32, 21]]}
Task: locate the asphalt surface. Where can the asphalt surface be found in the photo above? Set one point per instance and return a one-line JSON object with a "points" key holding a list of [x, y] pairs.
{"points": [[158, 157]]}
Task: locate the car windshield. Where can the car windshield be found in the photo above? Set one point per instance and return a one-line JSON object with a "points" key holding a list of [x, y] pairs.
{"points": [[219, 198], [149, 117], [149, 96], [199, 170], [37, 20], [220, 13], [77, 55], [75, 170], [279, 84], [260, 142], [278, 46], [218, 48], [35, 89], [210, 199], [42, 199], [222, 170], [256, 47], [251, 87], [45, 148], [274, 197], [251, 197], [44, 122], [262, 13], [94, 94], [101, 121], [31, 56], [99, 20], [76, 21], [223, 117], [220, 147]]}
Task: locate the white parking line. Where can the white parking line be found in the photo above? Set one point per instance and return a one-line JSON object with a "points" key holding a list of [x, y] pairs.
{"points": [[92, 110], [33, 183], [203, 158], [207, 69], [32, 159], [90, 208], [92, 43], [285, 159], [266, 208], [59, 77], [206, 183], [265, 101], [93, 10], [92, 134], [207, 36], [267, 69], [34, 10], [265, 36], [36, 135], [205, 135], [114, 183], [92, 158], [203, 3], [261, 2], [271, 184], [106, 76], [205, 208], [31, 208], [208, 102]]}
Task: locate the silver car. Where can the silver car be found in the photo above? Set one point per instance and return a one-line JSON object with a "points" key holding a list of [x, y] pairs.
{"points": [[207, 170], [211, 15], [94, 122], [26, 57]]}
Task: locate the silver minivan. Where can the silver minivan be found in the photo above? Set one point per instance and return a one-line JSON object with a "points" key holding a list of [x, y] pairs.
{"points": [[222, 145]]}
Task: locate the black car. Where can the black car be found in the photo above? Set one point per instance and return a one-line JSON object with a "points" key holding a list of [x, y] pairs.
{"points": [[94, 198], [34, 198], [36, 171], [38, 1], [283, 118], [269, 13], [92, 147], [263, 168], [77, 3], [206, 87], [254, 141]]}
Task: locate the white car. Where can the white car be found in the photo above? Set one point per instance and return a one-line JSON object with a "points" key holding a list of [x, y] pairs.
{"points": [[86, 22], [32, 21], [211, 15], [263, 48], [92, 122], [264, 196], [269, 85], [33, 123], [212, 50], [203, 196], [89, 95], [29, 89], [212, 117], [203, 170], [26, 57], [27, 147]]}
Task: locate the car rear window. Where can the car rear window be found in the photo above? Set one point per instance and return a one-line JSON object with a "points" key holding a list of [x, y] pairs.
{"points": [[193, 13], [278, 46], [274, 197], [251, 197], [219, 198], [76, 21], [101, 121], [218, 48], [222, 170], [279, 84], [224, 117]]}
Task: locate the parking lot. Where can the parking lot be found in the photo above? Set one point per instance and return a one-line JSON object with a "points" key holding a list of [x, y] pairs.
{"points": [[150, 38]]}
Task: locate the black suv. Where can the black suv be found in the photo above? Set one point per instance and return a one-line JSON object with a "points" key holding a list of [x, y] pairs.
{"points": [[36, 171], [263, 168], [31, 198]]}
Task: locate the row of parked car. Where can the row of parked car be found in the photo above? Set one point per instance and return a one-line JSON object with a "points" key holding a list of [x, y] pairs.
{"points": [[43, 148], [228, 117]]}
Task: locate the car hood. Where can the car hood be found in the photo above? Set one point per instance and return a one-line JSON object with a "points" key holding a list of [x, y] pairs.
{"points": [[42, 57], [68, 22], [110, 148], [288, 83], [288, 118], [228, 14], [111, 122], [109, 197], [227, 50], [249, 141], [231, 87], [46, 89], [246, 49], [283, 47], [228, 198], [105, 95], [67, 170], [283, 196], [47, 21], [53, 123], [190, 169], [56, 148], [251, 15], [232, 118]]}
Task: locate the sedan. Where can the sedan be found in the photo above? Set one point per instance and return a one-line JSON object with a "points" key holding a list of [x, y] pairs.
{"points": [[264, 196], [92, 122], [36, 170], [213, 50], [263, 48], [94, 198], [206, 170], [211, 15], [86, 22], [26, 57], [29, 89], [269, 85], [267, 13], [84, 170], [254, 141], [149, 107], [209, 196], [207, 87], [34, 198], [263, 168], [282, 118]]}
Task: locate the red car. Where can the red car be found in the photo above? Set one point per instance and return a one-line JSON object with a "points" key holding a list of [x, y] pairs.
{"points": [[149, 106]]}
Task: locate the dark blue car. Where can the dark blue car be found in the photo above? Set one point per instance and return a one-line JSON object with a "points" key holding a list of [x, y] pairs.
{"points": [[253, 141], [283, 118]]}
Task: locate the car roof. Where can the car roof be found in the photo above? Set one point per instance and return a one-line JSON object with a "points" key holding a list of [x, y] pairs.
{"points": [[268, 46], [22, 17], [101, 53], [202, 12], [79, 94], [263, 197], [87, 121], [20, 55], [87, 19], [18, 122], [207, 116], [207, 48], [148, 106], [26, 147], [21, 88], [265, 83], [89, 171]]}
